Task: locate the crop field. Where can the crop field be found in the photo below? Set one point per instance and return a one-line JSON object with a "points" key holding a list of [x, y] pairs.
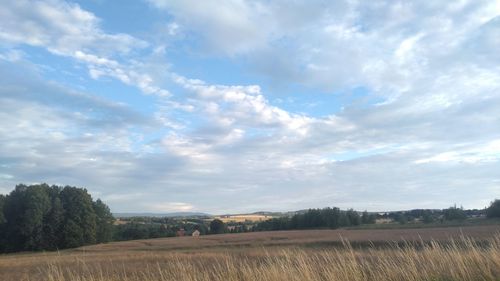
{"points": [[243, 218], [451, 253]]}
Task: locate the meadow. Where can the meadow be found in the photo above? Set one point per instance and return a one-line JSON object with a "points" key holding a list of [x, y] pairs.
{"points": [[243, 218], [451, 253]]}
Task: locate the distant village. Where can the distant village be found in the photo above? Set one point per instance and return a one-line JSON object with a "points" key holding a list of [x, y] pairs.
{"points": [[140, 227]]}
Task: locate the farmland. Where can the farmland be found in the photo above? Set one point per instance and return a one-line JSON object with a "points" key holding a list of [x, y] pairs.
{"points": [[243, 218], [383, 254]]}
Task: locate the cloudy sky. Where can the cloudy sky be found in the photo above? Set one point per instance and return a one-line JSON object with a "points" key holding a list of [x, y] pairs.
{"points": [[238, 106]]}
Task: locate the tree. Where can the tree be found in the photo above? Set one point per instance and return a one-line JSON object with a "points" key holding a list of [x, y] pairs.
{"points": [[343, 219], [217, 227], [202, 228], [2, 203], [493, 211], [331, 217], [2, 224], [427, 216], [401, 218], [353, 217], [313, 219], [104, 222], [367, 218], [53, 221], [80, 219], [24, 211], [43, 217], [454, 213]]}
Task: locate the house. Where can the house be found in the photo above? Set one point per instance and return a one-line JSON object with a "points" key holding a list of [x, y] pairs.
{"points": [[196, 233]]}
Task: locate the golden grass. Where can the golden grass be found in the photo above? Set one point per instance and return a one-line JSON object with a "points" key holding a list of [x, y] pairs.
{"points": [[461, 259], [298, 238], [243, 218]]}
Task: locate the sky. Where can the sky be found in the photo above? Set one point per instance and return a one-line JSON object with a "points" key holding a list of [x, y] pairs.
{"points": [[238, 106]]}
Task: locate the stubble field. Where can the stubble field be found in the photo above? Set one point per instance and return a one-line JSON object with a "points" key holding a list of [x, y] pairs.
{"points": [[452, 253]]}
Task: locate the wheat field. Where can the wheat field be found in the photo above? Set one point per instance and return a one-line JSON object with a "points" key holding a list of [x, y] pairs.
{"points": [[459, 258]]}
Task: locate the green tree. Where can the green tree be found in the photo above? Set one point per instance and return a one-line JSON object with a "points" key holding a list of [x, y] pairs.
{"points": [[343, 219], [24, 211], [217, 227], [331, 217], [367, 218], [2, 203], [104, 222], [2, 224], [72, 234], [353, 217], [313, 219], [53, 221], [427, 216], [80, 220], [493, 211], [401, 218], [202, 228], [43, 217], [454, 213]]}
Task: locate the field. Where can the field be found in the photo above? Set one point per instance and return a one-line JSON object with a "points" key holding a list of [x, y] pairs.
{"points": [[243, 218], [451, 253]]}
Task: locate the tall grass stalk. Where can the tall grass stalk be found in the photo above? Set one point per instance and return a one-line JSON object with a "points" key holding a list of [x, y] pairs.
{"points": [[463, 259]]}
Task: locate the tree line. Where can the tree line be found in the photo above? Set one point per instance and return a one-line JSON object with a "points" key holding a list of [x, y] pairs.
{"points": [[148, 227], [317, 218], [151, 227], [43, 217], [334, 217]]}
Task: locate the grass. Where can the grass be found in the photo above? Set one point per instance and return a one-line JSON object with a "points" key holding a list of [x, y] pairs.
{"points": [[454, 258], [410, 225], [243, 218]]}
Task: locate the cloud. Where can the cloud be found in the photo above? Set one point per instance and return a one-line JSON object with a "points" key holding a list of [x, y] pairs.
{"points": [[63, 28], [22, 84], [428, 139], [231, 25], [489, 152], [343, 44], [170, 207], [66, 29], [242, 106], [50, 133]]}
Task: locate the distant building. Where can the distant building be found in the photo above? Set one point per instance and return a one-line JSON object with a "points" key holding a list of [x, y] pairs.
{"points": [[181, 232], [196, 233]]}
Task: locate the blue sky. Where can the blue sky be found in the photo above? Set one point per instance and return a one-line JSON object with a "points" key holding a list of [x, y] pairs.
{"points": [[239, 106]]}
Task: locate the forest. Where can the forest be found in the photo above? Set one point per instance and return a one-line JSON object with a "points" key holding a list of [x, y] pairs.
{"points": [[43, 217]]}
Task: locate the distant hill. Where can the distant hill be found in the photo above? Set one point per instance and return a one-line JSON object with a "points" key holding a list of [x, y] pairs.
{"points": [[169, 215]]}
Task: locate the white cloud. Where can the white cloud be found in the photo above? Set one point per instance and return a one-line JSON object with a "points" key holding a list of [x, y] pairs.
{"points": [[242, 106], [170, 207], [343, 44], [230, 25], [431, 137], [65, 29], [488, 152], [61, 27]]}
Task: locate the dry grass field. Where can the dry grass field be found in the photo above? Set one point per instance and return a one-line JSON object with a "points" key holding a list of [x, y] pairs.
{"points": [[243, 218], [467, 253]]}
